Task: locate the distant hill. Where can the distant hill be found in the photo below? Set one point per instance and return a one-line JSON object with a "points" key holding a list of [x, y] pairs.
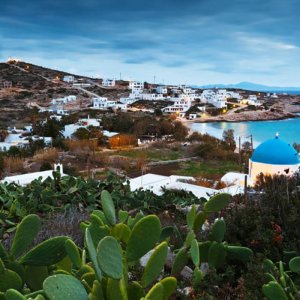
{"points": [[251, 87]]}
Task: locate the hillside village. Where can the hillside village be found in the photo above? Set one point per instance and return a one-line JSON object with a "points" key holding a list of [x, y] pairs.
{"points": [[64, 138], [46, 108]]}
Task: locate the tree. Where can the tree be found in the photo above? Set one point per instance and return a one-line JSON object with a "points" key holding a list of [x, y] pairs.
{"points": [[14, 151], [180, 131], [158, 112], [3, 134], [82, 133], [50, 128], [228, 138], [165, 127]]}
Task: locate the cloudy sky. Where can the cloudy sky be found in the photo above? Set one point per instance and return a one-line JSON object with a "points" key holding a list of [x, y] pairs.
{"points": [[177, 41]]}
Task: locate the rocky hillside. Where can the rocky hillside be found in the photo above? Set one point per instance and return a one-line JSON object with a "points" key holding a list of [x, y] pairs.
{"points": [[24, 86]]}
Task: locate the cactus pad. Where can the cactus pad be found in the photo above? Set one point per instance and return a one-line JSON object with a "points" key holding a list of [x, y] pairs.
{"points": [[46, 253], [25, 234], [144, 236], [63, 287], [109, 256], [155, 264]]}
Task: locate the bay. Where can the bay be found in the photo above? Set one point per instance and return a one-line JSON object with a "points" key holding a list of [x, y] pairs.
{"points": [[289, 130]]}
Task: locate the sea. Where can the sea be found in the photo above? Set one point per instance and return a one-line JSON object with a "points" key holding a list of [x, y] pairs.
{"points": [[288, 130]]}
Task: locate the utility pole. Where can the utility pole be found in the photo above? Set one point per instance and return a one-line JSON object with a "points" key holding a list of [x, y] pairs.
{"points": [[240, 157], [245, 187], [251, 139]]}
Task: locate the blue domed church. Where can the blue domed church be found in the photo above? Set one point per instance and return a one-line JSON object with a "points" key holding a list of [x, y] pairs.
{"points": [[274, 156]]}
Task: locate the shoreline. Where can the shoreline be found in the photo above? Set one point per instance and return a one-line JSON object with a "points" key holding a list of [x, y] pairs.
{"points": [[239, 120]]}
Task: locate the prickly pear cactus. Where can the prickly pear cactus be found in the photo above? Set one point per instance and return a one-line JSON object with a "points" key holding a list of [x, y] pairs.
{"points": [[144, 236], [64, 287], [47, 253], [135, 291], [195, 254], [294, 264], [216, 254], [169, 284], [218, 230], [217, 203], [108, 207], [274, 291], [14, 295], [239, 253], [155, 264], [35, 276], [181, 260], [10, 280], [25, 234], [109, 256], [156, 292], [73, 253]]}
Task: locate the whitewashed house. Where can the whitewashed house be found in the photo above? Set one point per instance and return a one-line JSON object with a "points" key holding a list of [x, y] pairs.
{"points": [[135, 93], [234, 95], [25, 179], [161, 90], [252, 100], [152, 96], [136, 85], [127, 100], [218, 99], [180, 106], [70, 129], [64, 100], [69, 78], [103, 103], [62, 112], [106, 82]]}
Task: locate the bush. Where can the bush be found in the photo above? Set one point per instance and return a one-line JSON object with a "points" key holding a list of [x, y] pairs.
{"points": [[45, 166], [46, 155]]}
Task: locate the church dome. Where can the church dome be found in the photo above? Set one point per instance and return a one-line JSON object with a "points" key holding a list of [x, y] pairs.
{"points": [[275, 152]]}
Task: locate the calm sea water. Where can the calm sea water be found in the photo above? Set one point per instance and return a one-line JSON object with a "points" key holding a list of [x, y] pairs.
{"points": [[289, 130]]}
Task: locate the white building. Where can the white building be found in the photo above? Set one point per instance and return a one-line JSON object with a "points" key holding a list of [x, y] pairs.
{"points": [[64, 100], [180, 106], [234, 95], [103, 103], [252, 100], [218, 99], [136, 85], [106, 82], [62, 112], [69, 78], [70, 129], [152, 96], [128, 100], [16, 138], [25, 179], [274, 156], [161, 90], [156, 183]]}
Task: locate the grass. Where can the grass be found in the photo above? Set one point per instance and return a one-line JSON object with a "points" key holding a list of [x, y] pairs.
{"points": [[210, 169], [152, 154]]}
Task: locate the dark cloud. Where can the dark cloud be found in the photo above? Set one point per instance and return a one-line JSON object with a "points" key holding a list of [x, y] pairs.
{"points": [[222, 37]]}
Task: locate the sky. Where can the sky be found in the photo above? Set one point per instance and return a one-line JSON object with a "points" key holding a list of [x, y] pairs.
{"points": [[169, 41]]}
